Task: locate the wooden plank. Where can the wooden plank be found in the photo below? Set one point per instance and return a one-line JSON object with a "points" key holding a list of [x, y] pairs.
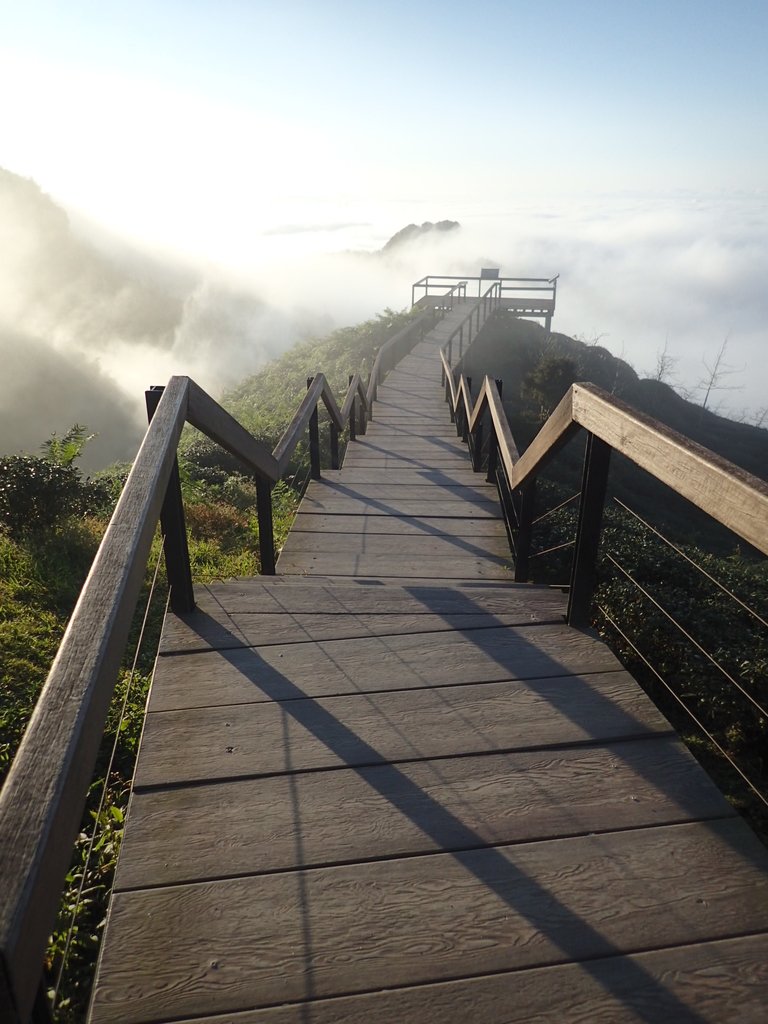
{"points": [[250, 629], [401, 412], [420, 432], [414, 448], [454, 564], [314, 668], [442, 507], [415, 422], [495, 547], [445, 476], [381, 442], [205, 632], [259, 825], [421, 526], [387, 459], [260, 595], [354, 928], [478, 491], [722, 981], [271, 737]]}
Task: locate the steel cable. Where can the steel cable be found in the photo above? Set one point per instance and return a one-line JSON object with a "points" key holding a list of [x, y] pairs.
{"points": [[105, 788], [684, 706], [695, 565]]}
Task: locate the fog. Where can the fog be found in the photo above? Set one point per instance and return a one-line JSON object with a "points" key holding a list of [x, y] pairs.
{"points": [[88, 320]]}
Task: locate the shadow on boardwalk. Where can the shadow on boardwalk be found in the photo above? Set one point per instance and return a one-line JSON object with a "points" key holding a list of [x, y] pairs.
{"points": [[575, 937]]}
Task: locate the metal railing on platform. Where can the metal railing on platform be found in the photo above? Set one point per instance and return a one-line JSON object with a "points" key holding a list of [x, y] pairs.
{"points": [[533, 288]]}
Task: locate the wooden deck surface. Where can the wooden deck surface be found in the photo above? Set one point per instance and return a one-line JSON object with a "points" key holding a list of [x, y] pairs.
{"points": [[389, 786]]}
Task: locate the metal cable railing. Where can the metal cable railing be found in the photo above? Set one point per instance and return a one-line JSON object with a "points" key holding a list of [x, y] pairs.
{"points": [[695, 565], [691, 639], [681, 703], [108, 774]]}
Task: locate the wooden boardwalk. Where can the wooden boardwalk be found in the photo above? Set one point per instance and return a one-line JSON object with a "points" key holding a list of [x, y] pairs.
{"points": [[389, 786]]}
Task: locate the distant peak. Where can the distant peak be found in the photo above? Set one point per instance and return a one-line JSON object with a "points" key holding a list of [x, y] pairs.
{"points": [[412, 231]]}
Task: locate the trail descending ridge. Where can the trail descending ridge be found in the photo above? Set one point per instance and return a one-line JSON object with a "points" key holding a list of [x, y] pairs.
{"points": [[391, 786]]}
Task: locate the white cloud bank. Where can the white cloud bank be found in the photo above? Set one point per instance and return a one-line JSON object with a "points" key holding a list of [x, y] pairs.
{"points": [[635, 271]]}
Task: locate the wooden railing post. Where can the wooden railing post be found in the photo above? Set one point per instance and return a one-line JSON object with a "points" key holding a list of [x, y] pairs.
{"points": [[477, 447], [584, 569], [493, 455], [524, 529], [266, 533], [352, 434], [314, 440], [175, 546], [493, 442], [465, 412]]}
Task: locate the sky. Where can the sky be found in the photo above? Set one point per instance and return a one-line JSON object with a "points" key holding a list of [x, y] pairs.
{"points": [[621, 144]]}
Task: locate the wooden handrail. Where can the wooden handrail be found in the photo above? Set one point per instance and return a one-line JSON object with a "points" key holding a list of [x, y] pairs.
{"points": [[728, 494], [209, 417], [41, 802], [42, 799]]}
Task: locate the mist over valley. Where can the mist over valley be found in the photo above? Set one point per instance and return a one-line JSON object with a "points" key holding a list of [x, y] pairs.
{"points": [[88, 319]]}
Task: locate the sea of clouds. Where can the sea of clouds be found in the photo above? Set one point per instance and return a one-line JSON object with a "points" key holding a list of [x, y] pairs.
{"points": [[88, 321]]}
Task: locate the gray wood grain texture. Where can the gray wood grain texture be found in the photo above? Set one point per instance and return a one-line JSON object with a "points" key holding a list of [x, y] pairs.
{"points": [[720, 982], [402, 567], [385, 460], [255, 941], [460, 475], [268, 737], [421, 526], [422, 544], [343, 615], [286, 822], [396, 505], [470, 493], [375, 663], [260, 594]]}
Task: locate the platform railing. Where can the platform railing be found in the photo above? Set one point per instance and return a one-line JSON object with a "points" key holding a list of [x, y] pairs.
{"points": [[43, 796], [432, 284]]}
